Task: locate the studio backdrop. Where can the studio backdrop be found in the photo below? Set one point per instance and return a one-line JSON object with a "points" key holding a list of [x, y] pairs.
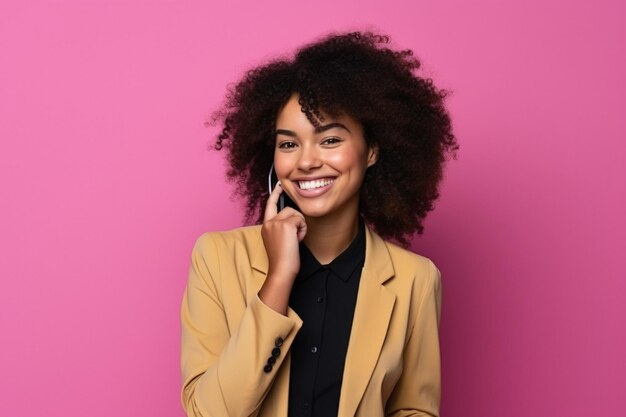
{"points": [[106, 181]]}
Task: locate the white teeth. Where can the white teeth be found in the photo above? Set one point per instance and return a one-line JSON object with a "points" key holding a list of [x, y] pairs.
{"points": [[309, 185]]}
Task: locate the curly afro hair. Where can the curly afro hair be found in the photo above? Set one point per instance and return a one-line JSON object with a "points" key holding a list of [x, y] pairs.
{"points": [[359, 75]]}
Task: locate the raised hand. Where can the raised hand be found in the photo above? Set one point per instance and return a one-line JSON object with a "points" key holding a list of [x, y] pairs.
{"points": [[281, 232]]}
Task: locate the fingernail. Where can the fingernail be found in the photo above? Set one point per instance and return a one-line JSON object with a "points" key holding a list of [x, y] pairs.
{"points": [[278, 183]]}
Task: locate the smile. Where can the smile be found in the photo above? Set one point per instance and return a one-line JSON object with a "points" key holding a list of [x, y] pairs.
{"points": [[311, 185]]}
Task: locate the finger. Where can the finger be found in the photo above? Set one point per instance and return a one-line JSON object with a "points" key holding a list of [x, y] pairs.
{"points": [[271, 206], [288, 212], [302, 228], [297, 219]]}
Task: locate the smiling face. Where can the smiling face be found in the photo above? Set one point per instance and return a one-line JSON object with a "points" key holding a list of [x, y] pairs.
{"points": [[321, 168]]}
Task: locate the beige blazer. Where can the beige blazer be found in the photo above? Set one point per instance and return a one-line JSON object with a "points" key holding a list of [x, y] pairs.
{"points": [[392, 365]]}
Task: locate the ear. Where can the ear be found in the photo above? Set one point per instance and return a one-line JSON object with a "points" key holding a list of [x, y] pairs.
{"points": [[372, 156]]}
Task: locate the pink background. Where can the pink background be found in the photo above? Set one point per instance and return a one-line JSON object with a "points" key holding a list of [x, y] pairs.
{"points": [[106, 183]]}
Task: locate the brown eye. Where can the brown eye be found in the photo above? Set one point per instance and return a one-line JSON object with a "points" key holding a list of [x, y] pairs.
{"points": [[286, 145], [331, 141]]}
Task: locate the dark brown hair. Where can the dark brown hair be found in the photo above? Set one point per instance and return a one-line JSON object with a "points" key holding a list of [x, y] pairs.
{"points": [[360, 75]]}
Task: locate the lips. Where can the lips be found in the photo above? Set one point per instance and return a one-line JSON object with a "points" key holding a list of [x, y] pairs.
{"points": [[315, 187], [316, 183]]}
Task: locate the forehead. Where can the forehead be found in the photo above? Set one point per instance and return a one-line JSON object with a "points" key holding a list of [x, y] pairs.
{"points": [[291, 117]]}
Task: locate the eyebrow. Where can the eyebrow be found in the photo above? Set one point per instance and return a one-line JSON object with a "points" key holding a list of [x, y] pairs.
{"points": [[318, 129]]}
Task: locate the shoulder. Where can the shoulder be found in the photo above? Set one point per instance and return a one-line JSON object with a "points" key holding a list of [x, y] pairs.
{"points": [[405, 258], [240, 235], [393, 261], [417, 281], [244, 238], [413, 269]]}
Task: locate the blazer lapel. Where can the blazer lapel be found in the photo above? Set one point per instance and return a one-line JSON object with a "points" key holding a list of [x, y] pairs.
{"points": [[369, 327], [259, 263]]}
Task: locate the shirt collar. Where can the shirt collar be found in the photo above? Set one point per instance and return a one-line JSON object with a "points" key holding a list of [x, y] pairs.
{"points": [[343, 265]]}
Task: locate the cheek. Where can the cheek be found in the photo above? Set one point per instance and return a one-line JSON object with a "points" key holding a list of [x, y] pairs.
{"points": [[344, 160], [281, 165], [351, 161]]}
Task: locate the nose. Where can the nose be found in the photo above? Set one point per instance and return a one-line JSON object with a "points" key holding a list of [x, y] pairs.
{"points": [[309, 158]]}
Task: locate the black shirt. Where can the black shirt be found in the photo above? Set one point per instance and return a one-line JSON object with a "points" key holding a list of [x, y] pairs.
{"points": [[324, 296]]}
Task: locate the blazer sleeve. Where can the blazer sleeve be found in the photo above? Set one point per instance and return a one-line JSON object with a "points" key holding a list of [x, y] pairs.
{"points": [[223, 374], [418, 391]]}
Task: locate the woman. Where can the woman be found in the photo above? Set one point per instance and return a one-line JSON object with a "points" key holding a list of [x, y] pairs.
{"points": [[312, 313]]}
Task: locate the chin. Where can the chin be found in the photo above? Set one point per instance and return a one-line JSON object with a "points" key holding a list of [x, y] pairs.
{"points": [[318, 211], [313, 212]]}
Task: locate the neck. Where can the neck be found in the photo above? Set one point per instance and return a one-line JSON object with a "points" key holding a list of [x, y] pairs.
{"points": [[328, 236]]}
